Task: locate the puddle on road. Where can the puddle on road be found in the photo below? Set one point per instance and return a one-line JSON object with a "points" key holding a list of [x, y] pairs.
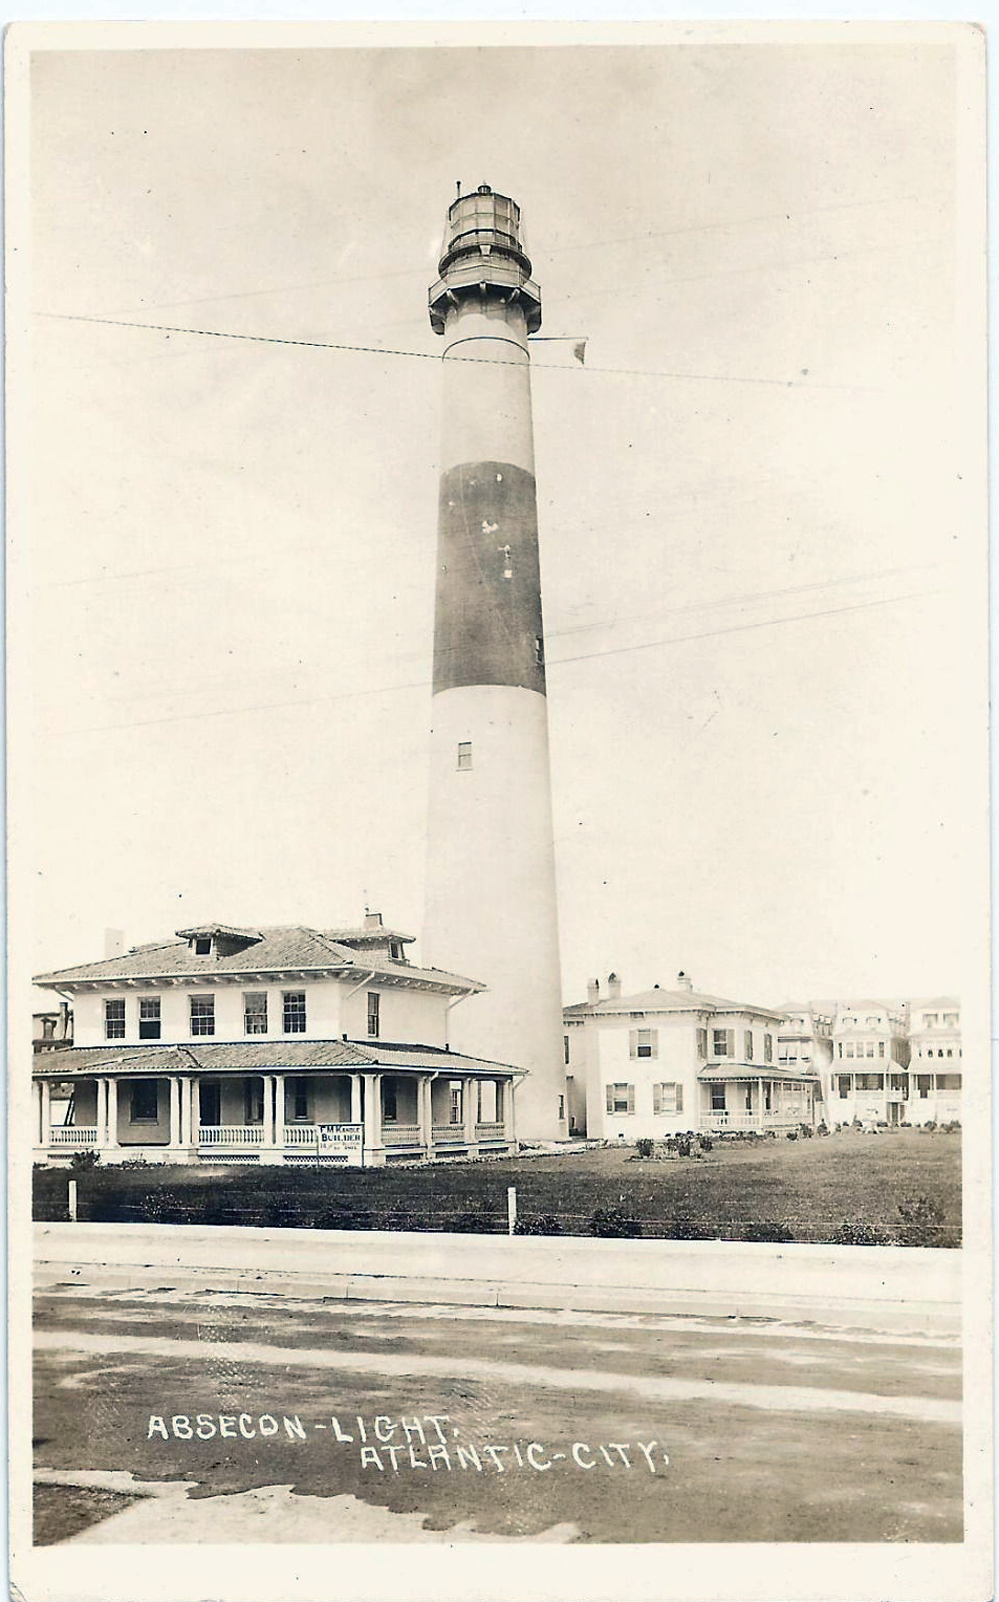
{"points": [[274, 1514]]}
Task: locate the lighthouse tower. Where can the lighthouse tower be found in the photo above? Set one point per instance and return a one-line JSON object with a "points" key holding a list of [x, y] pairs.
{"points": [[490, 908]]}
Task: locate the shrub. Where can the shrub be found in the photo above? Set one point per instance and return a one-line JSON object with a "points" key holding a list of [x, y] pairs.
{"points": [[706, 1142], [683, 1226], [921, 1221], [644, 1147], [82, 1162], [860, 1232], [930, 1126], [611, 1223], [476, 1221], [541, 1224], [766, 1229]]}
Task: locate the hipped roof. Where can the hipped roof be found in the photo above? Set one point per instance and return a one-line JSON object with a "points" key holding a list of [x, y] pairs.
{"points": [[260, 1056]]}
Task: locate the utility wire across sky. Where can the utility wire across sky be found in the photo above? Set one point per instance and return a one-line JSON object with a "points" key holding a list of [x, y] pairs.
{"points": [[433, 356]]}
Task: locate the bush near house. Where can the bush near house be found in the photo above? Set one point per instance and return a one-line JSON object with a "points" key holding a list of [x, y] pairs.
{"points": [[902, 1188]]}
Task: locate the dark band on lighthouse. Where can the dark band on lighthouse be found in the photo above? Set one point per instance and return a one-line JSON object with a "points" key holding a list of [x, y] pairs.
{"points": [[488, 628]]}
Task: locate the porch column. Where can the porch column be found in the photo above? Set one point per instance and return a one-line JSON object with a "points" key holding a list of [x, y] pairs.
{"points": [[195, 1125], [356, 1115], [279, 1111], [186, 1098], [423, 1110], [174, 1110], [112, 1107], [374, 1152], [759, 1105], [469, 1102], [45, 1110], [270, 1118]]}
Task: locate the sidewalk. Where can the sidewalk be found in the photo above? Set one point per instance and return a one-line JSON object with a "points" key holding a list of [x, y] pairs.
{"points": [[884, 1288]]}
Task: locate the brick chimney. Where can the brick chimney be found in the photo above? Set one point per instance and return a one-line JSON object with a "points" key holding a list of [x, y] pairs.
{"points": [[372, 920], [592, 991], [683, 981], [613, 987]]}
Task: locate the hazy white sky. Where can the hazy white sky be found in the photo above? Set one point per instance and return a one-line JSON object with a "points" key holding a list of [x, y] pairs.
{"points": [[763, 557]]}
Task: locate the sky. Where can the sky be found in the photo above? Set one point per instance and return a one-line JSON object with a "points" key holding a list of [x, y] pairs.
{"points": [[762, 541]]}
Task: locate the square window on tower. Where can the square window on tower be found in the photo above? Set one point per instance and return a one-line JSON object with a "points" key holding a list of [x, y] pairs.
{"points": [[464, 754]]}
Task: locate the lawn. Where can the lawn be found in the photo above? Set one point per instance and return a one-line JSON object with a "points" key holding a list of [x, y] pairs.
{"points": [[847, 1186]]}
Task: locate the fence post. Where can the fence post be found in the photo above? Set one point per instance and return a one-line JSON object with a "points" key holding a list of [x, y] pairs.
{"points": [[72, 1201], [511, 1209]]}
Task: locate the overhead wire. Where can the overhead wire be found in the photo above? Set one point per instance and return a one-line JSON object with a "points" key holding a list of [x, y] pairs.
{"points": [[424, 684], [434, 356]]}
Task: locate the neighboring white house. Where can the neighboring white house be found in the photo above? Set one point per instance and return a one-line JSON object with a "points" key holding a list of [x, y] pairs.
{"points": [[274, 1045], [870, 1081], [662, 1062], [935, 1066]]}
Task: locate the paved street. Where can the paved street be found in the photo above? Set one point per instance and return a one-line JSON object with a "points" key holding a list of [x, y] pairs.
{"points": [[176, 1414]]}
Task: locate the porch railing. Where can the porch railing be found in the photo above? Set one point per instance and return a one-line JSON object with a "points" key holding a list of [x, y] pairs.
{"points": [[73, 1135], [300, 1134], [449, 1134], [723, 1119], [401, 1135], [490, 1131], [231, 1135]]}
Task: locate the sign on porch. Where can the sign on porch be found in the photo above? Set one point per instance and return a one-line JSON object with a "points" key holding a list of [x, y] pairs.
{"points": [[341, 1140]]}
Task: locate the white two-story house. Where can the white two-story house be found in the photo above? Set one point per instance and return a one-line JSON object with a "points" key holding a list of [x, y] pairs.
{"points": [[664, 1062], [270, 1045]]}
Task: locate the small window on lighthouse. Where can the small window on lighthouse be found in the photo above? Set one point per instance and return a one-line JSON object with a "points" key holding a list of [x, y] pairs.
{"points": [[539, 651], [464, 753]]}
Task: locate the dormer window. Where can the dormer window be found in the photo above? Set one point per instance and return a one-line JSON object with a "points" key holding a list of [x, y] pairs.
{"points": [[203, 946]]}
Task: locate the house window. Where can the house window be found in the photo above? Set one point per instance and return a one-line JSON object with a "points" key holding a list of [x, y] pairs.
{"points": [[768, 1048], [870, 1081], [149, 1017], [299, 1098], [749, 1045], [561, 1108], [872, 1022], [950, 1020], [565, 1047], [464, 754], [643, 1042], [844, 1085], [202, 1015], [849, 1048], [870, 1048], [839, 1048], [929, 1020], [924, 1084], [395, 950], [255, 1012], [717, 1098], [620, 1098], [293, 1003], [881, 1048], [456, 1102], [767, 1096], [702, 1044], [210, 1103], [948, 1081], [144, 1106], [723, 1042], [374, 1018], [114, 1019], [253, 1101], [667, 1098], [203, 946], [389, 1101]]}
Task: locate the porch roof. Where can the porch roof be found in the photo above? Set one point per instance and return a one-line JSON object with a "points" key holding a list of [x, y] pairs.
{"points": [[744, 1071], [260, 1056]]}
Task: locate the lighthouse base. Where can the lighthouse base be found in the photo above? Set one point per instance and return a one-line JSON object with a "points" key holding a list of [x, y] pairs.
{"points": [[491, 903]]}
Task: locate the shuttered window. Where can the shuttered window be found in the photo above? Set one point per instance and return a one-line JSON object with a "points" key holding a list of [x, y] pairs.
{"points": [[749, 1045], [667, 1098], [702, 1043], [643, 1042], [768, 1048], [723, 1042], [620, 1098]]}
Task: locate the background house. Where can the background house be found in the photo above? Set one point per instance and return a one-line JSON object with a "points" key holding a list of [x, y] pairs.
{"points": [[660, 1062]]}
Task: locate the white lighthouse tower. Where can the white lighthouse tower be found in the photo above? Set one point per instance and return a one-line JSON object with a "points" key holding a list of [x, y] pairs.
{"points": [[491, 908]]}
